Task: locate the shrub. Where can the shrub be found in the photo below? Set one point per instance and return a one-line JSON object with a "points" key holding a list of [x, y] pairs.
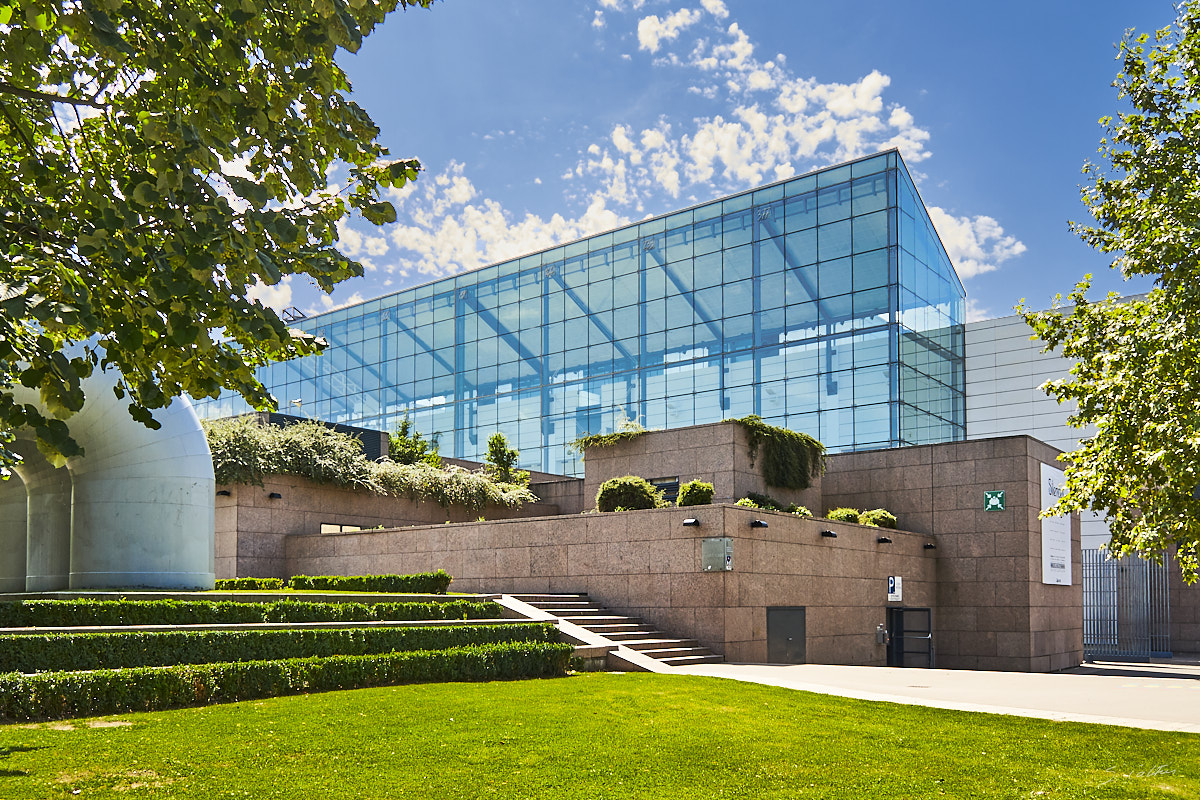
{"points": [[421, 583], [68, 652], [746, 502], [771, 503], [408, 446], [695, 493], [249, 583], [60, 695], [449, 487], [879, 517], [629, 493], [842, 514], [801, 511], [72, 613]]}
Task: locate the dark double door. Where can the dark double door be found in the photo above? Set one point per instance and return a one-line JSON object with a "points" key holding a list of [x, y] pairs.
{"points": [[910, 637]]}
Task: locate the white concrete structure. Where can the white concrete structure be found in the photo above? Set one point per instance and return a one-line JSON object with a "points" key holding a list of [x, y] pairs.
{"points": [[1005, 369], [135, 510]]}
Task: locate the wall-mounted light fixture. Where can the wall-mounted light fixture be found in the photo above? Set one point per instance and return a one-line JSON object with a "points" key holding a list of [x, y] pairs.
{"points": [[884, 540], [692, 522], [759, 523], [275, 495], [829, 534], [930, 546], [223, 493]]}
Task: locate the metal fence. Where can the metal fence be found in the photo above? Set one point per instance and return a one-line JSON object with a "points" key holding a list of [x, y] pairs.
{"points": [[1126, 607]]}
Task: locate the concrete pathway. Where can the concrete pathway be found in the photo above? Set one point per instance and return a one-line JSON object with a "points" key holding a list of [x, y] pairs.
{"points": [[1163, 695]]}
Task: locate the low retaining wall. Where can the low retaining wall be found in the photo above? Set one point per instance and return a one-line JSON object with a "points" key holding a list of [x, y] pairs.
{"points": [[648, 564]]}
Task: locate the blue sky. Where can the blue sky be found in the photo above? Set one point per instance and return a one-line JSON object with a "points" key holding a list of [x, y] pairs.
{"points": [[539, 121]]}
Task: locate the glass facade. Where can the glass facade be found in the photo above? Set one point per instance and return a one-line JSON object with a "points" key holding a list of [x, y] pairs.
{"points": [[825, 303]]}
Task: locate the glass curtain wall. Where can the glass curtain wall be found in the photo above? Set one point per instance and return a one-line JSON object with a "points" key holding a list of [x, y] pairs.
{"points": [[824, 303]]}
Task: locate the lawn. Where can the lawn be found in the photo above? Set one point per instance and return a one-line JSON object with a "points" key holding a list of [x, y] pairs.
{"points": [[588, 736]]}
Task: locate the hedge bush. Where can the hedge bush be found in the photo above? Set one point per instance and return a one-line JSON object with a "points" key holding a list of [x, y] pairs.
{"points": [[239, 584], [421, 583], [880, 517], [843, 514], [73, 613], [695, 493], [70, 652], [61, 695], [628, 493]]}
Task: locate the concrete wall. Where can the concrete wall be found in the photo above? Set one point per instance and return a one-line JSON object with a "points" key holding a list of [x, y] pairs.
{"points": [[993, 611], [648, 564], [251, 526], [1185, 612], [718, 453]]}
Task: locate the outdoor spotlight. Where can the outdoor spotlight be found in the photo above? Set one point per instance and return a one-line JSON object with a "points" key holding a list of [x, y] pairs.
{"points": [[275, 495], [930, 546], [759, 523], [829, 534], [883, 540], [692, 522], [223, 493]]}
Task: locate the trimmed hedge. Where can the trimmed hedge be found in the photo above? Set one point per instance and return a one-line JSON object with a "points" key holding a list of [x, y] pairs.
{"points": [[628, 493], [74, 613], [61, 695], [843, 514], [421, 583], [879, 517], [241, 584], [69, 652], [695, 493]]}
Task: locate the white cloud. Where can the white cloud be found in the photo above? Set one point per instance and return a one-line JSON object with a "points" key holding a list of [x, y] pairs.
{"points": [[975, 244], [598, 20], [652, 31], [277, 297], [716, 8], [976, 312]]}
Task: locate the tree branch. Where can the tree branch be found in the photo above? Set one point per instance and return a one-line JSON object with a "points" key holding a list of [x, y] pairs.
{"points": [[31, 94]]}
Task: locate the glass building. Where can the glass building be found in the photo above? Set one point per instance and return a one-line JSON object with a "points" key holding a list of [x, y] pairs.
{"points": [[824, 303]]}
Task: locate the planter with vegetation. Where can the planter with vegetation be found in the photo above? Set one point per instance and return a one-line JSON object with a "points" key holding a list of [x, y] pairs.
{"points": [[695, 493], [245, 452], [790, 460]]}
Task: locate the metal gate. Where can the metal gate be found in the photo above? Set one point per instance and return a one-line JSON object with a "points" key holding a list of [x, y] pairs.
{"points": [[1126, 607], [910, 637]]}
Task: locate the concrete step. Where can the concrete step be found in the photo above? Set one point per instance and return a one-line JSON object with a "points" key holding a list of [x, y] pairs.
{"points": [[582, 620], [681, 661], [614, 629], [642, 633], [658, 643], [542, 598], [563, 611]]}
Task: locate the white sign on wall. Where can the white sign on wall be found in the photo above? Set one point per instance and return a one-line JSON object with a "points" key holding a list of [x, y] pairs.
{"points": [[895, 589], [1056, 531]]}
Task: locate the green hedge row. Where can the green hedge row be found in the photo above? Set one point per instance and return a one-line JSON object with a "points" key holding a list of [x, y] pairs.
{"points": [[421, 583], [68, 652], [72, 613], [60, 695], [237, 584]]}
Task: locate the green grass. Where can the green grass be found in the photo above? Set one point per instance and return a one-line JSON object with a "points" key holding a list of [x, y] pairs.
{"points": [[589, 736]]}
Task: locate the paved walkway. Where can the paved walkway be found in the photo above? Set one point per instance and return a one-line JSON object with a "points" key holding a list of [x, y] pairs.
{"points": [[1164, 695]]}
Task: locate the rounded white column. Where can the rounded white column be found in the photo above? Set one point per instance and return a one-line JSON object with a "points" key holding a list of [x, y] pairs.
{"points": [[12, 534], [48, 538]]}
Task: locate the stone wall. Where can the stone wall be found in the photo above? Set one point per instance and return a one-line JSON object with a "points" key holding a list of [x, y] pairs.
{"points": [[648, 564], [251, 526], [718, 453], [993, 611], [1185, 612]]}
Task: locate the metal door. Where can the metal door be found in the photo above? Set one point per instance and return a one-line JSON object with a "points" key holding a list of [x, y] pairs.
{"points": [[910, 637], [1126, 607], [785, 635]]}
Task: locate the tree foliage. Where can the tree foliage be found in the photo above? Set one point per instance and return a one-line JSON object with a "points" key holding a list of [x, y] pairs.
{"points": [[501, 462], [157, 162], [1137, 376], [406, 445]]}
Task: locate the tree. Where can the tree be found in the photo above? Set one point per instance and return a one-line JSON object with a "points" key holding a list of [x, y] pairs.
{"points": [[501, 462], [1137, 377], [157, 162], [408, 446]]}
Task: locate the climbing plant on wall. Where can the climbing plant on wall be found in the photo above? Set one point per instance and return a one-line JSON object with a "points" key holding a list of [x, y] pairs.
{"points": [[790, 460]]}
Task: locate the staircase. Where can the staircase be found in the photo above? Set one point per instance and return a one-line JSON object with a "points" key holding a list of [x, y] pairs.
{"points": [[629, 632]]}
